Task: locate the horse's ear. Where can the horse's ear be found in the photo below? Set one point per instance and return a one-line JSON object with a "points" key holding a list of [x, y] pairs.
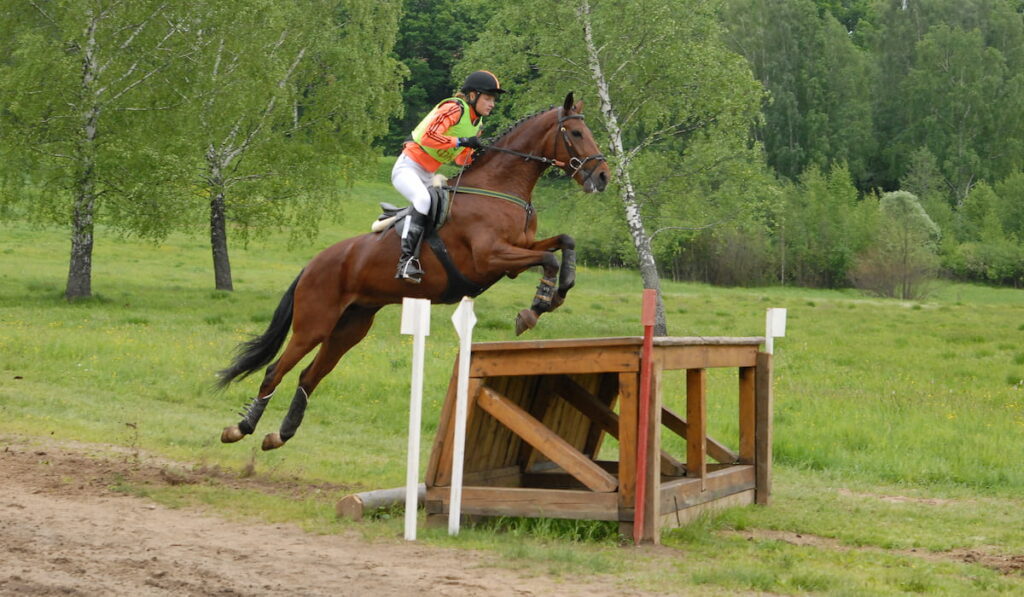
{"points": [[567, 106], [578, 108]]}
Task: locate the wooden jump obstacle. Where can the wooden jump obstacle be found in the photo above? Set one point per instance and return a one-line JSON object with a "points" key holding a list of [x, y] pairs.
{"points": [[540, 410]]}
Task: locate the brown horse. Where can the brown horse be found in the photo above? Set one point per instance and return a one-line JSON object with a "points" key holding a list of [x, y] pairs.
{"points": [[333, 301]]}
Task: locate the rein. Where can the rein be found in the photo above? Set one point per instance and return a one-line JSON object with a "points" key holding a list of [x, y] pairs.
{"points": [[576, 163]]}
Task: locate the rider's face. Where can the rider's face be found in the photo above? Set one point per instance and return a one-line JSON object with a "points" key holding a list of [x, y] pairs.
{"points": [[484, 104]]}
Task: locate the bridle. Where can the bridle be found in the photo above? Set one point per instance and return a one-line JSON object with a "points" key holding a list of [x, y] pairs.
{"points": [[576, 161]]}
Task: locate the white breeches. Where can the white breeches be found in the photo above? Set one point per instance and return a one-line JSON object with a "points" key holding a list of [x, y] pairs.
{"points": [[411, 180]]}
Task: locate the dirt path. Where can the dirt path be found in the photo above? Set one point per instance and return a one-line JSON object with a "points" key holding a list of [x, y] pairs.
{"points": [[64, 532]]}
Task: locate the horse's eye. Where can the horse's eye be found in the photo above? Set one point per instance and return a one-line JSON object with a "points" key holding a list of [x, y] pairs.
{"points": [[577, 134]]}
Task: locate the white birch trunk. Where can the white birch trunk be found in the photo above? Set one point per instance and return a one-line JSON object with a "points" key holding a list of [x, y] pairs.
{"points": [[84, 192], [634, 219]]}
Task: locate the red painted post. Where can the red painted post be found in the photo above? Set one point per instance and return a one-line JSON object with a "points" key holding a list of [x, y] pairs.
{"points": [[644, 411]]}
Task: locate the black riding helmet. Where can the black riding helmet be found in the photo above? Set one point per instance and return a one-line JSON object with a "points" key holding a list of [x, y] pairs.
{"points": [[483, 82]]}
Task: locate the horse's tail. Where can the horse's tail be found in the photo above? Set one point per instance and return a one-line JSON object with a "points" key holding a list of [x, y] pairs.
{"points": [[258, 352]]}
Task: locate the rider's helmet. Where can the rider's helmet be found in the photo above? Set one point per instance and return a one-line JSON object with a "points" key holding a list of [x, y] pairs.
{"points": [[483, 82]]}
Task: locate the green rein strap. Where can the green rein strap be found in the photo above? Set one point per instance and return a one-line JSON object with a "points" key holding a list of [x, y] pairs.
{"points": [[526, 205], [488, 193]]}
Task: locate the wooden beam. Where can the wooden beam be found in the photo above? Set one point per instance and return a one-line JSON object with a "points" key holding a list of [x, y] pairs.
{"points": [[715, 449], [594, 359], [747, 411], [592, 407], [440, 469], [536, 503], [443, 435], [707, 356], [763, 429], [629, 387], [696, 417], [683, 493], [671, 520], [652, 520], [538, 408], [546, 441]]}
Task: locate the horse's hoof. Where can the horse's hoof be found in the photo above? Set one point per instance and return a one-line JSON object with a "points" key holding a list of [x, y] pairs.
{"points": [[272, 441], [525, 321], [231, 434]]}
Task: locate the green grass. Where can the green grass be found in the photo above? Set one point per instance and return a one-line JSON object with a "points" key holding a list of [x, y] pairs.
{"points": [[898, 425]]}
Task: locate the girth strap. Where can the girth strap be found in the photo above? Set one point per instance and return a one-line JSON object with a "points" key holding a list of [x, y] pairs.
{"points": [[458, 284]]}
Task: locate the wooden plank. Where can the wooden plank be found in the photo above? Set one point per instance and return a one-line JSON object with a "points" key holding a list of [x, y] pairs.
{"points": [[548, 362], [555, 344], [715, 449], [538, 408], [443, 435], [629, 386], [652, 503], [747, 413], [509, 476], [480, 347], [683, 493], [754, 341], [607, 420], [685, 516], [441, 470], [763, 429], [696, 418], [543, 439], [607, 394], [535, 503], [707, 357]]}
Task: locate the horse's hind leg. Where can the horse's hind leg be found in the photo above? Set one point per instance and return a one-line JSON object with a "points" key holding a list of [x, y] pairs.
{"points": [[353, 326], [298, 346]]}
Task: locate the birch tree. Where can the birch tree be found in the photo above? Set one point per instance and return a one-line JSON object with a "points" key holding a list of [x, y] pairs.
{"points": [[286, 95], [657, 72], [76, 81]]}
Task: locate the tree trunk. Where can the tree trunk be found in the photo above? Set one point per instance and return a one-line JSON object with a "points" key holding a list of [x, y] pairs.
{"points": [[218, 231], [634, 220], [80, 266]]}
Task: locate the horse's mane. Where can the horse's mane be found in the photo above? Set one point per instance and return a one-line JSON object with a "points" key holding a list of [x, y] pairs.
{"points": [[508, 130]]}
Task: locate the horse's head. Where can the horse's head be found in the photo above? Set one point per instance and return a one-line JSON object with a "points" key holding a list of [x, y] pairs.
{"points": [[576, 148]]}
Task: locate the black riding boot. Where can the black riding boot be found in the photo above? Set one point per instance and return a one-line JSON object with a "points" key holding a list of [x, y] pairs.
{"points": [[409, 264]]}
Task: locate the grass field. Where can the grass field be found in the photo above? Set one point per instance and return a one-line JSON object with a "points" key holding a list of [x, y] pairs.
{"points": [[898, 426]]}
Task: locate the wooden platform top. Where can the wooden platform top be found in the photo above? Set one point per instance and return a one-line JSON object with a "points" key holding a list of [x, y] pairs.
{"points": [[562, 343]]}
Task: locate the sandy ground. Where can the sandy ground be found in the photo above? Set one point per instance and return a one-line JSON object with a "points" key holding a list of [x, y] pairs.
{"points": [[63, 531]]}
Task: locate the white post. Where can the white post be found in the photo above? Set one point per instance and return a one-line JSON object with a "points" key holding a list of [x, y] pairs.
{"points": [[464, 319], [774, 327], [415, 322]]}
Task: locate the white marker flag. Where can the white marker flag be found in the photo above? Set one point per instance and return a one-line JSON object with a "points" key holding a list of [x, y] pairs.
{"points": [[415, 322], [464, 319], [775, 327]]}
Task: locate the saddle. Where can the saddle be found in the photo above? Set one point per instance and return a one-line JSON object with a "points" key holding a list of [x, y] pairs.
{"points": [[440, 207]]}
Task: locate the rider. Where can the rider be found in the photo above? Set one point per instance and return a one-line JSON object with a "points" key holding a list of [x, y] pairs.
{"points": [[447, 134]]}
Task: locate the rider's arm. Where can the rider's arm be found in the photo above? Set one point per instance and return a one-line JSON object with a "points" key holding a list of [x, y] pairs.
{"points": [[435, 137]]}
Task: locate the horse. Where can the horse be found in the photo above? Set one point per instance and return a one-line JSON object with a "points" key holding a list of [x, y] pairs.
{"points": [[489, 234]]}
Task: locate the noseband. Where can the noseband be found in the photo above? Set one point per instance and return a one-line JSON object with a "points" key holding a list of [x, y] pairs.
{"points": [[576, 161]]}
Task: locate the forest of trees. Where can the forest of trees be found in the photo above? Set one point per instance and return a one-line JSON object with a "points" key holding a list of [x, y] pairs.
{"points": [[828, 143]]}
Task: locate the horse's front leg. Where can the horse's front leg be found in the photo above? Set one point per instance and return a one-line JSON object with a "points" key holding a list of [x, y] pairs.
{"points": [[567, 270], [510, 259]]}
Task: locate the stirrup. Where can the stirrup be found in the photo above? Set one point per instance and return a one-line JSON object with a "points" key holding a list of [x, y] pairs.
{"points": [[413, 277]]}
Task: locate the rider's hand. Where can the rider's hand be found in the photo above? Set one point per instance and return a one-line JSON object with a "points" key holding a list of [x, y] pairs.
{"points": [[473, 142]]}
